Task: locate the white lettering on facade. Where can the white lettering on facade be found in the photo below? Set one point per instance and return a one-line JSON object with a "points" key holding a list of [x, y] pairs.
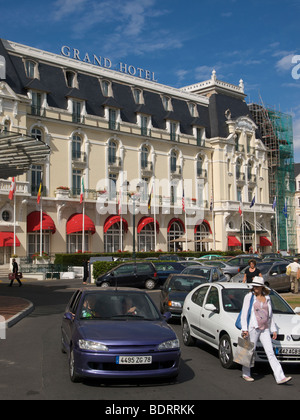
{"points": [[106, 63]]}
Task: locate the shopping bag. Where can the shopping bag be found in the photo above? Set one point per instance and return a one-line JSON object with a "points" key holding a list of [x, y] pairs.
{"points": [[11, 276], [244, 354], [20, 275]]}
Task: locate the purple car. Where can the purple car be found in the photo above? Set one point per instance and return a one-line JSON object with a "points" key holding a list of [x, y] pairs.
{"points": [[118, 333]]}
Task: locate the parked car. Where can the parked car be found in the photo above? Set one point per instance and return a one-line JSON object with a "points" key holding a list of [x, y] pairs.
{"points": [[238, 263], [171, 257], [175, 290], [210, 273], [210, 257], [226, 269], [274, 274], [165, 268], [210, 311], [134, 274], [118, 333]]}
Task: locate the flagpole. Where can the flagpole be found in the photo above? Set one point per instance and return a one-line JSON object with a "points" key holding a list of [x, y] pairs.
{"points": [[243, 231], [41, 228], [276, 226], [255, 244], [154, 214], [121, 218], [286, 226], [83, 231], [15, 224]]}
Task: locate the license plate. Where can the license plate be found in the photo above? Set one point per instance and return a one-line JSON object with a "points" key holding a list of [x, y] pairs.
{"points": [[134, 360], [291, 351]]}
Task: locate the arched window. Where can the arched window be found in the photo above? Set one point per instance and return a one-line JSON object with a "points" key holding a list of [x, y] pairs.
{"points": [[146, 238], [173, 161], [199, 166], [112, 239], [37, 134], [144, 157], [112, 152], [76, 147], [202, 233], [175, 231]]}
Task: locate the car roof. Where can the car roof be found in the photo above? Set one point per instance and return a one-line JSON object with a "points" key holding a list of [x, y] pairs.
{"points": [[228, 285], [193, 276], [90, 289]]}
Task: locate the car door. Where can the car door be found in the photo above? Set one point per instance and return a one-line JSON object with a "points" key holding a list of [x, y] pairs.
{"points": [[275, 278], [125, 275], [194, 308], [69, 316], [210, 320]]}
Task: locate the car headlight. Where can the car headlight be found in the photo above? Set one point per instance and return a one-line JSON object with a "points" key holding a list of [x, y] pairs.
{"points": [[170, 344], [174, 304], [92, 345]]}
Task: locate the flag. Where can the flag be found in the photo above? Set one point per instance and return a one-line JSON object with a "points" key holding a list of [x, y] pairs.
{"points": [[240, 209], [38, 199], [252, 202], [285, 211], [82, 190], [150, 198], [12, 189], [183, 201], [274, 204]]}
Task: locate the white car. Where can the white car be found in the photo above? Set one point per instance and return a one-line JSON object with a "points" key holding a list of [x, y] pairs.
{"points": [[209, 314]]}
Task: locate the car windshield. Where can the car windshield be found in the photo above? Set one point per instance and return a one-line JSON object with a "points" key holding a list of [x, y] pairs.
{"points": [[198, 271], [185, 284], [233, 301], [118, 305]]}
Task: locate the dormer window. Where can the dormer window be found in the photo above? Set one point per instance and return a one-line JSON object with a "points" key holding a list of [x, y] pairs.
{"points": [[193, 109], [106, 88], [166, 103], [31, 69], [138, 96], [70, 78]]}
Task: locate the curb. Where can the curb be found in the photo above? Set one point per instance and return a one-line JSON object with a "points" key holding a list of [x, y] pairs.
{"points": [[20, 315]]}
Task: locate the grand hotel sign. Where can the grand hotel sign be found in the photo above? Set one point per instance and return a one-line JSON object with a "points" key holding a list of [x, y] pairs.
{"points": [[107, 63]]}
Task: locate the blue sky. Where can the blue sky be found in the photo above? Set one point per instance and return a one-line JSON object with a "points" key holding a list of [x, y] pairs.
{"points": [[182, 41]]}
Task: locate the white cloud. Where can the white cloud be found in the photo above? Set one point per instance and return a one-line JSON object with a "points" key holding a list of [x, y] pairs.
{"points": [[285, 63]]}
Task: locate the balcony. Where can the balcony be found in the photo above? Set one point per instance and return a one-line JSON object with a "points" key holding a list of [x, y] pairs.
{"points": [[147, 168], [176, 171], [114, 163], [78, 158], [201, 173]]}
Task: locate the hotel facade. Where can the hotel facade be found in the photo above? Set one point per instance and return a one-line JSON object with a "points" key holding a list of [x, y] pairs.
{"points": [[129, 157]]}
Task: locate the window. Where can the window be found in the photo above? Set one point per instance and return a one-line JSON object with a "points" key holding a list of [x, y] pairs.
{"points": [[112, 238], [34, 242], [6, 216], [239, 194], [112, 152], [112, 187], [176, 231], [192, 108], [76, 147], [74, 243], [70, 79], [173, 161], [37, 134], [200, 170], [76, 185], [199, 295], [173, 131], [213, 298], [166, 103], [76, 111], [106, 88], [30, 69], [144, 125], [137, 94], [202, 232], [146, 238], [144, 157], [112, 115], [36, 177], [36, 103]]}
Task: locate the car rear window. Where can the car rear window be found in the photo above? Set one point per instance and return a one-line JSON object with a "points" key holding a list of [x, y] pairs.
{"points": [[144, 268]]}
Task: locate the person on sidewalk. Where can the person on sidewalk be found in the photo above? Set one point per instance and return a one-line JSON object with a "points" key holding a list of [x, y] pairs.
{"points": [[294, 275], [15, 270], [261, 325]]}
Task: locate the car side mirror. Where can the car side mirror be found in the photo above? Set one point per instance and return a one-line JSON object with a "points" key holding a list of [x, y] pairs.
{"points": [[68, 316], [297, 310], [167, 316], [210, 307]]}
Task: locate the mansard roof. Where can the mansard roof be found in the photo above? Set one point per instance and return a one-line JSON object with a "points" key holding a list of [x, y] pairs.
{"points": [[210, 113]]}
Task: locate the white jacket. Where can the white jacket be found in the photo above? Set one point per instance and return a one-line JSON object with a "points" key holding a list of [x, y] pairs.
{"points": [[253, 321]]}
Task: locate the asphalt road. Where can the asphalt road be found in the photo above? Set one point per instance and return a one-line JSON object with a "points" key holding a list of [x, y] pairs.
{"points": [[33, 368]]}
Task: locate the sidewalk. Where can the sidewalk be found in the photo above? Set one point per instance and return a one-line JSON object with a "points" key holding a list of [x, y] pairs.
{"points": [[13, 309]]}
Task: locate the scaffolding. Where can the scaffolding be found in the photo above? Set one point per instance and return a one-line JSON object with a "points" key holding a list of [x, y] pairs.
{"points": [[276, 132]]}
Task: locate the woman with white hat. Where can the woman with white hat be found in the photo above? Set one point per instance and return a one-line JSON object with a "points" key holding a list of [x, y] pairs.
{"points": [[260, 326]]}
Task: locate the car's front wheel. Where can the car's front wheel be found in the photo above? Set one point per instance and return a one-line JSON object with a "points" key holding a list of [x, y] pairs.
{"points": [[225, 352], [72, 368], [186, 334]]}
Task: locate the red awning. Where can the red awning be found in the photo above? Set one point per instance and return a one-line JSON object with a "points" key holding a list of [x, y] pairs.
{"points": [[145, 221], [263, 241], [7, 239], [34, 220], [203, 222], [233, 241], [74, 224], [178, 221], [111, 220]]}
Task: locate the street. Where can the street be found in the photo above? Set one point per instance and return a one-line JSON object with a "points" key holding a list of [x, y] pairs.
{"points": [[33, 367]]}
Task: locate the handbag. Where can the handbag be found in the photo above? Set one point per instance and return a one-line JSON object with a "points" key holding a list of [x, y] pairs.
{"points": [[238, 322], [20, 275], [288, 270], [11, 276], [244, 354]]}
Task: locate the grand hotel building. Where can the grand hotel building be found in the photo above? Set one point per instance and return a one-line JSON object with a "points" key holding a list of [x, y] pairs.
{"points": [[127, 138]]}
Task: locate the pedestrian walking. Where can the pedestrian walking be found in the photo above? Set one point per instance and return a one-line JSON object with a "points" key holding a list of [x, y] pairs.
{"points": [[85, 271], [294, 270], [251, 272], [261, 325], [15, 270]]}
